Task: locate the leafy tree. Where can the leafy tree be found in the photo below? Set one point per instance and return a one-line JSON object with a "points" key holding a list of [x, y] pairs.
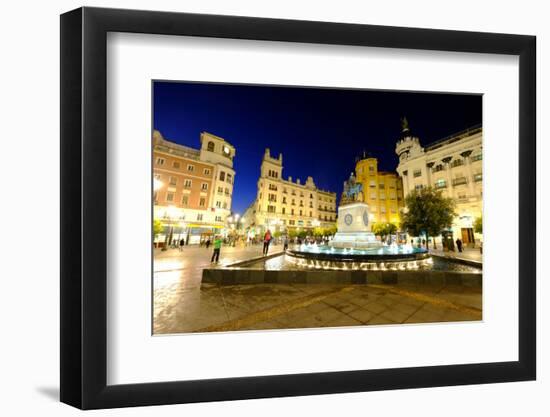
{"points": [[384, 229], [478, 225], [329, 231], [292, 233], [428, 212], [158, 228], [277, 234]]}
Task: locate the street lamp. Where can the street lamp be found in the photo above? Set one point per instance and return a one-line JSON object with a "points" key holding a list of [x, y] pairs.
{"points": [[157, 185]]}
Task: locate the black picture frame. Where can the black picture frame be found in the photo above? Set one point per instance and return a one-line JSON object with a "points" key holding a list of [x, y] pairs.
{"points": [[84, 207]]}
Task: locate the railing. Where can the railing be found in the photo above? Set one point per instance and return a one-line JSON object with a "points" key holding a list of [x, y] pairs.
{"points": [[460, 181]]}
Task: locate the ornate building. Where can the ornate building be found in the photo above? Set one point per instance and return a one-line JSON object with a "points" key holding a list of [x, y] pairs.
{"points": [[193, 188], [283, 205], [382, 191], [452, 165]]}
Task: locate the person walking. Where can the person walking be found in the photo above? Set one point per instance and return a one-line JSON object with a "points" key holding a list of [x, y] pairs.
{"points": [[217, 248], [182, 242], [267, 240], [207, 243], [459, 245], [285, 242]]}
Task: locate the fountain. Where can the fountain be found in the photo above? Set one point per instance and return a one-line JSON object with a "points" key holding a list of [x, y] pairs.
{"points": [[354, 245]]}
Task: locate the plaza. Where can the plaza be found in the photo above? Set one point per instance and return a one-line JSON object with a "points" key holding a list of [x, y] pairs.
{"points": [[183, 304]]}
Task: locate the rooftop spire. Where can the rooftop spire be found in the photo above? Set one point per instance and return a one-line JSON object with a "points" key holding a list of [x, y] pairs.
{"points": [[405, 129]]}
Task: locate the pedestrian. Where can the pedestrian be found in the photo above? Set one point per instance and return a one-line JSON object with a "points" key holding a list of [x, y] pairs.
{"points": [[217, 248], [267, 240], [285, 242], [182, 242], [459, 244], [207, 243]]}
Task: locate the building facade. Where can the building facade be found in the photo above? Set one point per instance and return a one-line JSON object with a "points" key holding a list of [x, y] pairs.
{"points": [[193, 188], [452, 165], [382, 191], [285, 205]]}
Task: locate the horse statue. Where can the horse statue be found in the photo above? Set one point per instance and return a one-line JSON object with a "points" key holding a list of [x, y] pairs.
{"points": [[353, 191]]}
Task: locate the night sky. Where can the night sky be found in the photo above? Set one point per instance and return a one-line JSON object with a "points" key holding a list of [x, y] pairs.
{"points": [[320, 132]]}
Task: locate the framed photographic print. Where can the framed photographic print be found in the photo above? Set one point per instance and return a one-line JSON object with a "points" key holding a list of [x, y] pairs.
{"points": [[258, 208]]}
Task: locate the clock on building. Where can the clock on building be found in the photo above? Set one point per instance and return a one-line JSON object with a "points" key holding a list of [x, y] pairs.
{"points": [[226, 150], [348, 219]]}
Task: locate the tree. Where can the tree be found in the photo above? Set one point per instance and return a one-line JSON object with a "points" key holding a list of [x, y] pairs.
{"points": [[478, 225], [158, 228], [428, 212], [384, 229]]}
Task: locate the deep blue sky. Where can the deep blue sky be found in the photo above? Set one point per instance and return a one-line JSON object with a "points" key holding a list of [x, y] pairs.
{"points": [[319, 131]]}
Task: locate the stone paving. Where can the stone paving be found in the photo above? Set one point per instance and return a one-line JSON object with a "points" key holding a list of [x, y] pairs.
{"points": [[181, 305], [468, 254]]}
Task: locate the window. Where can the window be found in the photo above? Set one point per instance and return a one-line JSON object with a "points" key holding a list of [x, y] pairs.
{"points": [[284, 210], [460, 181], [457, 163], [291, 222], [204, 186], [310, 214], [157, 177], [437, 168], [382, 196], [207, 171], [478, 177], [271, 209], [381, 186], [440, 183], [272, 197], [311, 196], [199, 217], [210, 146], [173, 180], [373, 196], [176, 165], [224, 204], [169, 196], [219, 218], [292, 212], [418, 187], [222, 176], [301, 203], [229, 178], [227, 191], [273, 187], [372, 183], [293, 202], [477, 157], [382, 209], [371, 168], [185, 200], [160, 161], [284, 200], [218, 204], [417, 173], [301, 213], [190, 168], [220, 190], [187, 183], [202, 202]]}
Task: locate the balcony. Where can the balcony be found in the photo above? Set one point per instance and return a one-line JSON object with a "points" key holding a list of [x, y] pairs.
{"points": [[460, 181]]}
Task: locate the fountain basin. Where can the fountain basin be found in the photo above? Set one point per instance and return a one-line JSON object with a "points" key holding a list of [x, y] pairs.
{"points": [[404, 253]]}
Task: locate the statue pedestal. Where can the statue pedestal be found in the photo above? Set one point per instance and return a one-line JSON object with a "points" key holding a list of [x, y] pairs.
{"points": [[354, 229]]}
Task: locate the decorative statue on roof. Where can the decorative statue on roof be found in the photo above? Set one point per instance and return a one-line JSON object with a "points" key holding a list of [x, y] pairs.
{"points": [[353, 191]]}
